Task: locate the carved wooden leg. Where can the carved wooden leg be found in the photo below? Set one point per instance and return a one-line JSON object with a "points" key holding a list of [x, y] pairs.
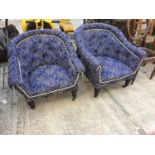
{"points": [[126, 83], [153, 72], [30, 102], [133, 80], [96, 92], [74, 92]]}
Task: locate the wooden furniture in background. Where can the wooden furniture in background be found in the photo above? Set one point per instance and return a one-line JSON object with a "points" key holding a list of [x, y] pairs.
{"points": [[150, 59], [140, 32], [138, 29]]}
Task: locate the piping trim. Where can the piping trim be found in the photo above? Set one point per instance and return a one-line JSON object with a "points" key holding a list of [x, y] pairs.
{"points": [[75, 82], [100, 80], [50, 36], [19, 66], [115, 37]]}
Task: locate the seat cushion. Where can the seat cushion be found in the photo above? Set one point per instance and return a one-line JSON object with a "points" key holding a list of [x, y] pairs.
{"points": [[113, 68], [49, 78]]}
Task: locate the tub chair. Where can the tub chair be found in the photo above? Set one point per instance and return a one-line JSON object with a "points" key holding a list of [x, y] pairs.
{"points": [[42, 62], [107, 55]]}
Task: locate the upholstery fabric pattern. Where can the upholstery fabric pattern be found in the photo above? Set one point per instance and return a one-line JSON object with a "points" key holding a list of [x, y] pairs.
{"points": [[42, 61], [113, 68], [107, 54], [57, 78]]}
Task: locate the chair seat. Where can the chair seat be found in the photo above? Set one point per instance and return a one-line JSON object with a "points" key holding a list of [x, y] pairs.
{"points": [[113, 69], [49, 78]]}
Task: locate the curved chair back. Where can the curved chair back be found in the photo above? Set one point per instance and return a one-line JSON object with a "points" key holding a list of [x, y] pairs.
{"points": [[40, 47], [101, 38], [105, 40]]}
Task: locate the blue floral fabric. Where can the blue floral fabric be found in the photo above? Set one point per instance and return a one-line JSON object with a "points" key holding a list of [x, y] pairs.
{"points": [[113, 68], [41, 61], [107, 54], [49, 77]]}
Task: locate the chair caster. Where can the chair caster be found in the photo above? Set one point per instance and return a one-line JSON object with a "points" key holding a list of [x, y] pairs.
{"points": [[31, 104], [127, 82], [96, 92]]}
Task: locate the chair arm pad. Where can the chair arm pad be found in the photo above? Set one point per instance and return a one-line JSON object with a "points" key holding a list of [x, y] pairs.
{"points": [[136, 50], [90, 59], [78, 65]]}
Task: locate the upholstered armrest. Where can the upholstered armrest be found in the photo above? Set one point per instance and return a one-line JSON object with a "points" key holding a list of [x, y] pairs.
{"points": [[129, 58], [89, 59], [136, 50], [136, 55], [129, 54], [78, 65], [92, 61], [75, 60], [14, 74]]}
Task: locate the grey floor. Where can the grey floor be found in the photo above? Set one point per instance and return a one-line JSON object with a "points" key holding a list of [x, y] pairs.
{"points": [[117, 110]]}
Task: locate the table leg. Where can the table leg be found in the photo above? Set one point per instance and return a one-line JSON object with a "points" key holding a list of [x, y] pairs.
{"points": [[153, 72]]}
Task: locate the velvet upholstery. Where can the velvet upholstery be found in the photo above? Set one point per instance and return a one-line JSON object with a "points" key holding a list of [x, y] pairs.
{"points": [[107, 55], [42, 62]]}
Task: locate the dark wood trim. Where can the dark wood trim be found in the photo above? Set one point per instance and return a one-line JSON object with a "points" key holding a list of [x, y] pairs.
{"points": [[127, 82], [152, 74], [96, 92], [74, 92]]}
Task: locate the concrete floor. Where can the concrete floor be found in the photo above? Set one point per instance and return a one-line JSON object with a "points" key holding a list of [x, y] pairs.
{"points": [[117, 110]]}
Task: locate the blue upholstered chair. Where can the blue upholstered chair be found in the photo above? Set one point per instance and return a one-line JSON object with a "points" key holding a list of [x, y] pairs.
{"points": [[43, 62], [107, 55]]}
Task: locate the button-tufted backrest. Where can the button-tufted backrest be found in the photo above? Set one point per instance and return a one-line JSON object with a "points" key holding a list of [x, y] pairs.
{"points": [[40, 50], [101, 39], [41, 47], [101, 42]]}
